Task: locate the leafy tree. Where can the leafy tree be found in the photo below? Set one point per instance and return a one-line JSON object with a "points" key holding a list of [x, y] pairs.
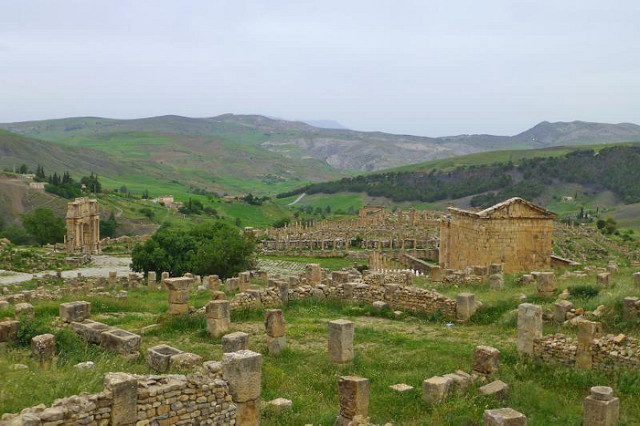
{"points": [[145, 194], [108, 226], [23, 169], [147, 212], [40, 176], [44, 226], [205, 248], [193, 206], [92, 183]]}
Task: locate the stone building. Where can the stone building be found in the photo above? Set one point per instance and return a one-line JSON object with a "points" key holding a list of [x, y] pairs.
{"points": [[83, 226], [515, 232]]}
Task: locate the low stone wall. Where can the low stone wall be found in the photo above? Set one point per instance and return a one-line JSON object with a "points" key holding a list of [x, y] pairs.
{"points": [[199, 398], [397, 297]]}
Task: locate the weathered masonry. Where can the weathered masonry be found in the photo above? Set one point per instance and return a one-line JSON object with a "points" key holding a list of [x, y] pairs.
{"points": [[83, 226], [516, 233]]}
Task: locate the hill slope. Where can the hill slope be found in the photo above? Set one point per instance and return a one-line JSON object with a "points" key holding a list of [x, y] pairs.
{"points": [[270, 151]]}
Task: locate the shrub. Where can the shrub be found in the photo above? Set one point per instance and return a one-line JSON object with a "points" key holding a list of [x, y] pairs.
{"points": [[586, 291]]}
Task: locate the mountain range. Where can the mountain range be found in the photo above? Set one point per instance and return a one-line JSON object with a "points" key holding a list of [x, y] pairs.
{"points": [[252, 152]]}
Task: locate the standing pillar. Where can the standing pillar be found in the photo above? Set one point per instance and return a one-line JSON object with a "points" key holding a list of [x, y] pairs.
{"points": [[354, 400], [529, 327], [341, 333], [124, 388], [43, 348], [275, 326], [151, 280], [587, 332], [546, 284], [178, 294], [601, 408], [243, 372], [218, 317]]}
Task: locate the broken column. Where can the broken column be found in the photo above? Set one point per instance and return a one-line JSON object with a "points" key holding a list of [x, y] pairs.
{"points": [[243, 280], [234, 342], [178, 294], [587, 332], [354, 400], [465, 306], [151, 280], [604, 279], [436, 389], [601, 408], [43, 348], [504, 417], [341, 341], [435, 273], [529, 327], [75, 311], [218, 317], [546, 283], [113, 275], [24, 311], [485, 360], [213, 282], [124, 406], [8, 329], [274, 324], [630, 308], [496, 281], [636, 279], [163, 277], [561, 307], [243, 372], [313, 273]]}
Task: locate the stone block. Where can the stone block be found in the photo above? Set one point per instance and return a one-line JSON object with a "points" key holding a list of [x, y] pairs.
{"points": [[279, 406], [124, 388], [529, 327], [275, 345], [485, 360], [436, 389], [496, 281], [354, 396], [185, 360], [218, 309], [435, 274], [497, 388], [25, 311], [151, 280], [546, 283], [234, 342], [401, 388], [243, 372], [43, 348], [274, 323], [496, 268], [587, 332], [460, 382], [159, 357], [248, 413], [561, 307], [630, 308], [218, 326], [465, 306], [90, 330], [601, 408], [177, 309], [341, 334], [121, 341], [604, 279], [9, 330], [504, 417], [636, 279], [75, 311]]}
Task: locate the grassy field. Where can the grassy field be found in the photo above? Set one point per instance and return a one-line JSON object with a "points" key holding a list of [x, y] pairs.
{"points": [[388, 351]]}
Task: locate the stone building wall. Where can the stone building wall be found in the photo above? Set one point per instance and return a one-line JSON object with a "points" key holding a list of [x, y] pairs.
{"points": [[515, 233], [198, 398]]}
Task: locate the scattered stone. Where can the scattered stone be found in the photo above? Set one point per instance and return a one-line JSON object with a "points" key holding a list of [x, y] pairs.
{"points": [[87, 365], [401, 388], [234, 342], [504, 417], [497, 388], [485, 360], [279, 406], [436, 389]]}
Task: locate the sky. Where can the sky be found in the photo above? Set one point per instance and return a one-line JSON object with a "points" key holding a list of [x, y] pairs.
{"points": [[431, 68]]}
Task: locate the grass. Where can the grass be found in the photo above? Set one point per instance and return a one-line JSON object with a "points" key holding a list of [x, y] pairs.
{"points": [[388, 351]]}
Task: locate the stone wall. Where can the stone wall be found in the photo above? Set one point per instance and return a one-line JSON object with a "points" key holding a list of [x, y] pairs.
{"points": [[198, 398]]}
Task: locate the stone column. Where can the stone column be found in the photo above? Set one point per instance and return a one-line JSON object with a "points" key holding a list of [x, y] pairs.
{"points": [[465, 306], [529, 327], [354, 400], [496, 281], [275, 326], [151, 280], [234, 342], [486, 360], [163, 277], [341, 333], [435, 273], [213, 282], [604, 279], [112, 278], [561, 307], [587, 332], [630, 308], [43, 348], [218, 317], [601, 408], [504, 417], [243, 372], [546, 283], [636, 279], [178, 294], [124, 388], [314, 274], [24, 311]]}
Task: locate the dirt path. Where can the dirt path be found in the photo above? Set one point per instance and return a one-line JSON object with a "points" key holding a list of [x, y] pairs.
{"points": [[300, 197]]}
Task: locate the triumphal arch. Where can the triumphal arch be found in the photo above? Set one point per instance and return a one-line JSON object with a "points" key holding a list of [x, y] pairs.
{"points": [[83, 226]]}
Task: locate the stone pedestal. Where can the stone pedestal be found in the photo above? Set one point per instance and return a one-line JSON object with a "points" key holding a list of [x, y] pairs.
{"points": [[604, 279], [341, 333], [496, 281], [636, 279], [8, 330], [313, 273], [178, 294], [43, 348], [546, 284], [436, 389], [504, 417], [465, 306], [75, 311], [124, 389], [435, 273], [485, 360], [587, 332], [218, 317], [601, 408], [243, 372], [213, 282], [275, 326], [630, 308], [529, 327], [24, 311], [354, 400], [151, 280], [235, 342], [561, 307]]}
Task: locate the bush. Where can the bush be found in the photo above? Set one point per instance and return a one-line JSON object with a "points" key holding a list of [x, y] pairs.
{"points": [[204, 249], [586, 291], [44, 226]]}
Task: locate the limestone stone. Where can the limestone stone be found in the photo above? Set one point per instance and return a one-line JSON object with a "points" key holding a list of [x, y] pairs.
{"points": [[178, 294], [274, 323], [529, 327], [151, 280], [546, 284], [248, 413], [496, 281], [354, 396], [185, 360], [497, 388], [636, 279], [243, 371], [601, 408], [485, 360], [124, 390], [83, 226], [8, 330], [43, 348], [234, 342], [460, 382], [275, 345], [561, 307], [159, 357], [504, 417], [604, 278], [24, 311], [630, 308], [75, 311], [90, 330], [341, 334], [218, 317], [213, 282], [465, 306], [401, 388], [435, 273], [436, 389], [121, 341], [587, 331], [279, 406]]}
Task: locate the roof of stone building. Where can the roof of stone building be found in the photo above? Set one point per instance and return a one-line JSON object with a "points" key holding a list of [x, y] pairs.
{"points": [[491, 211]]}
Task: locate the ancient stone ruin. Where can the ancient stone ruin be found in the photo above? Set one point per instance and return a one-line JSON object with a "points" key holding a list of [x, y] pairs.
{"points": [[83, 226]]}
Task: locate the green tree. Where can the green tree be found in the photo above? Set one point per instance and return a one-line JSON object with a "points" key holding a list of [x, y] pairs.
{"points": [[44, 226], [108, 226], [23, 169]]}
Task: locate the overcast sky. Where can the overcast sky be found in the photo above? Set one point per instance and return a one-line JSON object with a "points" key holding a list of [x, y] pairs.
{"points": [[421, 67]]}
